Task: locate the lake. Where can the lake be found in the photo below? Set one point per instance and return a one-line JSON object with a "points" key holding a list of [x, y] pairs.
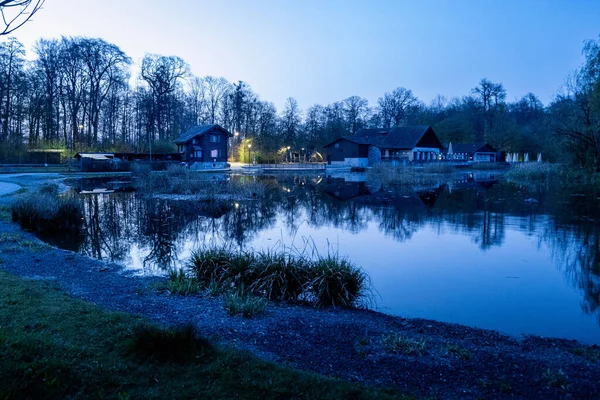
{"points": [[477, 251]]}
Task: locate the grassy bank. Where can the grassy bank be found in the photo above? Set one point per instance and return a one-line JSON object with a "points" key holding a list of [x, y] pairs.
{"points": [[180, 180], [53, 346], [409, 177], [45, 210], [281, 276], [547, 175]]}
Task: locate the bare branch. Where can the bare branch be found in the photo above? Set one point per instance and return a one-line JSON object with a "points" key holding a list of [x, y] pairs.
{"points": [[15, 13]]}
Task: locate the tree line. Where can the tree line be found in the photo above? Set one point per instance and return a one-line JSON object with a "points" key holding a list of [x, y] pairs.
{"points": [[79, 94]]}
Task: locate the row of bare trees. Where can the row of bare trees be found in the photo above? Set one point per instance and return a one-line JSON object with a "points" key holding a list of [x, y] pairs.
{"points": [[79, 93]]}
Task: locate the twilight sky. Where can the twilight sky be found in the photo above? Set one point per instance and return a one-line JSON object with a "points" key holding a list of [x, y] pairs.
{"points": [[320, 51]]}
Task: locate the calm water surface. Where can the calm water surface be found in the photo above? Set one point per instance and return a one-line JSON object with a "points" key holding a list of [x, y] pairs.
{"points": [[476, 252]]}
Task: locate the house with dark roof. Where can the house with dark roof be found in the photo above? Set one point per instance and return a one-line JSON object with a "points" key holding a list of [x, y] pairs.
{"points": [[475, 152], [204, 147], [369, 146]]}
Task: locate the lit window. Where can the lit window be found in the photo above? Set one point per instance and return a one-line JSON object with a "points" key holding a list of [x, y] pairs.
{"points": [[214, 153]]}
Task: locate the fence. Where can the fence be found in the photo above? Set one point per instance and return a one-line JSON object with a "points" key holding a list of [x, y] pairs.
{"points": [[288, 166]]}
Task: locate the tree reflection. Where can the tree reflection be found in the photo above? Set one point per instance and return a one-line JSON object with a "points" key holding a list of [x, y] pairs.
{"points": [[162, 230]]}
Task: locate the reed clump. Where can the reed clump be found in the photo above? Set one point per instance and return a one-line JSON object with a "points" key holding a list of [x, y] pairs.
{"points": [[46, 210], [282, 276]]}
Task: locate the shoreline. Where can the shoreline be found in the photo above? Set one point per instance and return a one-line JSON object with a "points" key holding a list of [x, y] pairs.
{"points": [[417, 356]]}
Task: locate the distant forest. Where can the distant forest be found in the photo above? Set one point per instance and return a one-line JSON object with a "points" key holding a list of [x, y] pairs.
{"points": [[78, 94]]}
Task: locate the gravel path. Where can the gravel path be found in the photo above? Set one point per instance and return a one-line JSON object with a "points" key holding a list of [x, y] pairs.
{"points": [[421, 357]]}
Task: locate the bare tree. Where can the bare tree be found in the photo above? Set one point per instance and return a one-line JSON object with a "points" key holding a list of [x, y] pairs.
{"points": [[394, 106], [162, 74], [356, 109], [491, 96], [216, 89], [16, 12]]}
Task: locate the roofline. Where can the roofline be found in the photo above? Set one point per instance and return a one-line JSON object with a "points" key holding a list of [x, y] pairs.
{"points": [[213, 126]]}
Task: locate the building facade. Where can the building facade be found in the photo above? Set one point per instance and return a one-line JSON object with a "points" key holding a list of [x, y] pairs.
{"points": [[370, 146], [204, 147]]}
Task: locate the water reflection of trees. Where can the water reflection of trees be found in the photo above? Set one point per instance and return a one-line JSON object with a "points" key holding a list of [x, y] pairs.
{"points": [[162, 229]]}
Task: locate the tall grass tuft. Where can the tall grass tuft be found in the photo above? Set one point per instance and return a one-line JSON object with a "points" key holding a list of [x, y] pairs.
{"points": [[211, 264], [337, 282], [241, 302], [46, 210], [180, 283], [179, 344], [281, 276]]}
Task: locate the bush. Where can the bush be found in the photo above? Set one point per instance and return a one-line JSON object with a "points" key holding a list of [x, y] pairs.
{"points": [[45, 210], [169, 344]]}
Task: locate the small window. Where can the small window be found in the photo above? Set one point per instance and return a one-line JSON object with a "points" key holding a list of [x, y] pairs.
{"points": [[337, 145], [214, 153], [215, 138], [196, 141]]}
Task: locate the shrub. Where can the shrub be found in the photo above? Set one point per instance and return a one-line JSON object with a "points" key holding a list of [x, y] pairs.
{"points": [[241, 302], [337, 282], [169, 344]]}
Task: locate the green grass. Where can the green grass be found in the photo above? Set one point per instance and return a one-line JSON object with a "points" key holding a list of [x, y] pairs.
{"points": [[16, 242], [398, 343], [180, 283], [457, 351], [54, 346], [241, 302]]}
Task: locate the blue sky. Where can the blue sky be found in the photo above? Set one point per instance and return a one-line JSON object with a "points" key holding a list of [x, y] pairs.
{"points": [[324, 51]]}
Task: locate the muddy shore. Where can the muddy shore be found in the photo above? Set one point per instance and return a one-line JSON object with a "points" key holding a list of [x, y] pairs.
{"points": [[421, 357]]}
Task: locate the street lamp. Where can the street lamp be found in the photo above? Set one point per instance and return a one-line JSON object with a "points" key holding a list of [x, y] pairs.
{"points": [[248, 158], [303, 155], [289, 154]]}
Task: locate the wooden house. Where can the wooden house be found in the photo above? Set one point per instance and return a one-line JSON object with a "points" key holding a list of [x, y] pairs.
{"points": [[204, 147], [474, 152], [409, 143], [351, 151]]}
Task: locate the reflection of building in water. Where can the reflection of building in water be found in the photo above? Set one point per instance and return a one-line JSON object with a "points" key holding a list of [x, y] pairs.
{"points": [[343, 190]]}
